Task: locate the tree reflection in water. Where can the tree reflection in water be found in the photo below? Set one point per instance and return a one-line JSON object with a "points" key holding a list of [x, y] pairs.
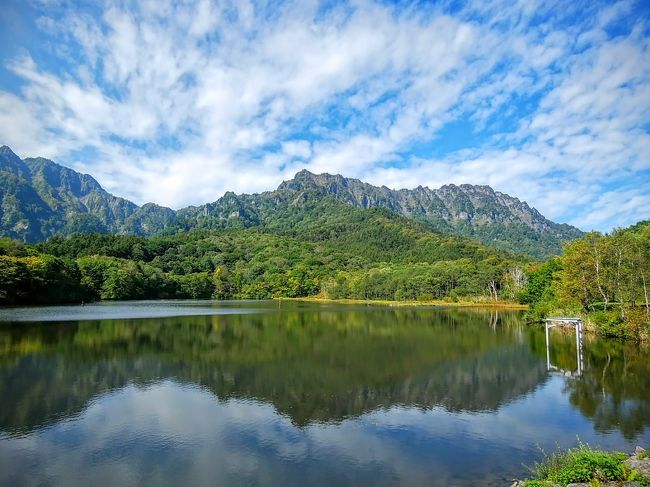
{"points": [[315, 364], [613, 391]]}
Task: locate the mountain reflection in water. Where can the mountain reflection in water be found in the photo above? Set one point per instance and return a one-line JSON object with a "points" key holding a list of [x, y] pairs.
{"points": [[321, 368]]}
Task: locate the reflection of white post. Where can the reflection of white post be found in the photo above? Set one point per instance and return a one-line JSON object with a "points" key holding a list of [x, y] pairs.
{"points": [[577, 326], [577, 323], [548, 348], [579, 344]]}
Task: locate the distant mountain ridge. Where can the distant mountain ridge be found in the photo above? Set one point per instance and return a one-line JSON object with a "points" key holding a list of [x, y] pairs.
{"points": [[473, 211], [39, 199]]}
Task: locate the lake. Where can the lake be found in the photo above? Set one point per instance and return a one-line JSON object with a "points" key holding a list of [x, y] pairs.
{"points": [[288, 393]]}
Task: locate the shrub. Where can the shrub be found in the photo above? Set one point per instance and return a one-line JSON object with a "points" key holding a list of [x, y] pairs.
{"points": [[581, 464], [610, 324]]}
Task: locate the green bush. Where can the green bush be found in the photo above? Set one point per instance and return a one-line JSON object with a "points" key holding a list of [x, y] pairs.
{"points": [[610, 324], [581, 464]]}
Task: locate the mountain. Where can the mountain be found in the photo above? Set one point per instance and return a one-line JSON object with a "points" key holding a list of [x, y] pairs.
{"points": [[477, 212], [39, 199]]}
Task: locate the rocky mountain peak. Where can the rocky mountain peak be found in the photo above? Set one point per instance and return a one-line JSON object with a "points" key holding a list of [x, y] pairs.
{"points": [[62, 177], [475, 211], [5, 151], [10, 162]]}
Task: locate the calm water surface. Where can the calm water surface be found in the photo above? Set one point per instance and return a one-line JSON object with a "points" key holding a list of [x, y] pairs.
{"points": [[257, 393]]}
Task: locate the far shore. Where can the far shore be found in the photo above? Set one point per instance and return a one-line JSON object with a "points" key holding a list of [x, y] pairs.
{"points": [[436, 302]]}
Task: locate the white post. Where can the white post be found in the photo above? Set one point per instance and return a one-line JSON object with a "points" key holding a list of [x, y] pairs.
{"points": [[548, 350]]}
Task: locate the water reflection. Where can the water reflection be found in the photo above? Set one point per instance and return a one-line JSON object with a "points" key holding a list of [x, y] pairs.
{"points": [[305, 394], [613, 391], [311, 365]]}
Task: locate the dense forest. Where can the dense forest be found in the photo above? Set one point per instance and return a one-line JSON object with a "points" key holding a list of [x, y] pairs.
{"points": [[329, 249], [337, 363]]}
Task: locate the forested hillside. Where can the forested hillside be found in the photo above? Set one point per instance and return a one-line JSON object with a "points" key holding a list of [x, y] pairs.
{"points": [[322, 246], [333, 250], [315, 235]]}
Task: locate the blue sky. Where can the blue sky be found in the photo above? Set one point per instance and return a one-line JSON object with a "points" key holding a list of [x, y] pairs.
{"points": [[177, 102]]}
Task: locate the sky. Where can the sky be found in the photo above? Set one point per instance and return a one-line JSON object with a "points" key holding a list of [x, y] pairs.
{"points": [[176, 102]]}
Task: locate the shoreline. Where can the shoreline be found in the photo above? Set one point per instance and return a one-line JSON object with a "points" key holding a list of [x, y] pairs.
{"points": [[392, 303]]}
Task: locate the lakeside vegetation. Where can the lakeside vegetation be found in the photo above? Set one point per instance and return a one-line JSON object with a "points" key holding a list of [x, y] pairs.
{"points": [[603, 278], [242, 264], [482, 302], [585, 464]]}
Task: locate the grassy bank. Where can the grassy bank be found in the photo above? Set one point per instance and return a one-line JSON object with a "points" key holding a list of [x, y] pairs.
{"points": [[438, 302], [592, 466]]}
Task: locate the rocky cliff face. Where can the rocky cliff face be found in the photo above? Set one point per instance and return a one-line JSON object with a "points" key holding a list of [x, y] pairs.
{"points": [[473, 204], [477, 212]]}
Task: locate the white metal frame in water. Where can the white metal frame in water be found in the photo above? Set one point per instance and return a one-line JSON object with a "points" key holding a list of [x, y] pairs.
{"points": [[577, 324]]}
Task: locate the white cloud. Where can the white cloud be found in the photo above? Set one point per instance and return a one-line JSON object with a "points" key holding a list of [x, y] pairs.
{"points": [[297, 148], [622, 205], [182, 102]]}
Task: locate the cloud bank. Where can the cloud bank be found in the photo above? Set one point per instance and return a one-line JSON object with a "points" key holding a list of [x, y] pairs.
{"points": [[176, 102]]}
